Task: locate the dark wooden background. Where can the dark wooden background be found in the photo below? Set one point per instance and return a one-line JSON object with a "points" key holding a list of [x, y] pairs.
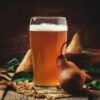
{"points": [[15, 16]]}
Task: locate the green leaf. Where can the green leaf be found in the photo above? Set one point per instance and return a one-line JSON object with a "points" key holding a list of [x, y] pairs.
{"points": [[23, 80], [23, 76], [95, 84], [13, 63], [86, 51]]}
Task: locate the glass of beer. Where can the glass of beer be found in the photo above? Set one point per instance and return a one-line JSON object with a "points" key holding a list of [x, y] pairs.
{"points": [[46, 35]]}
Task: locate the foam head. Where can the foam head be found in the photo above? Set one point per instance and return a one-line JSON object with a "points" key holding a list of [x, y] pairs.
{"points": [[48, 27]]}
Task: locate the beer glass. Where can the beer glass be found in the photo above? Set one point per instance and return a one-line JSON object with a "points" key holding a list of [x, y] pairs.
{"points": [[46, 35]]}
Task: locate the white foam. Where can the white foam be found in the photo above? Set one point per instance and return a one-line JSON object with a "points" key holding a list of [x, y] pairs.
{"points": [[48, 27]]}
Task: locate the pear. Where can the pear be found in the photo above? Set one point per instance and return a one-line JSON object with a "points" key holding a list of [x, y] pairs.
{"points": [[75, 44], [71, 78], [26, 64]]}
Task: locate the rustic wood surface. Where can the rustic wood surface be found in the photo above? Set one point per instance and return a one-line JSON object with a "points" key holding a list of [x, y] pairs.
{"points": [[11, 95]]}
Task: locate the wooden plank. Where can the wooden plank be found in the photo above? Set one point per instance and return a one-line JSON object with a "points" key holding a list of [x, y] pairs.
{"points": [[11, 95], [94, 94], [96, 98], [92, 97], [75, 98]]}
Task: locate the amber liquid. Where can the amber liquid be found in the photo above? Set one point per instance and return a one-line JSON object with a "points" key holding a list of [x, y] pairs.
{"points": [[46, 46]]}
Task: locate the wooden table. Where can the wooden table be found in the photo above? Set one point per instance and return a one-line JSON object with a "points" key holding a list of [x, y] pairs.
{"points": [[11, 95]]}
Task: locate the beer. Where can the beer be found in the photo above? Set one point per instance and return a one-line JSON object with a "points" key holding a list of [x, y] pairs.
{"points": [[45, 42]]}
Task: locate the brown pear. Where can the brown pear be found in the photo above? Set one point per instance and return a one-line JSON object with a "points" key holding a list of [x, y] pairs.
{"points": [[75, 44], [26, 64], [71, 78]]}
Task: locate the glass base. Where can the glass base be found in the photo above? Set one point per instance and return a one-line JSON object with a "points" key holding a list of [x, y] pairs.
{"points": [[46, 85], [45, 88], [49, 84]]}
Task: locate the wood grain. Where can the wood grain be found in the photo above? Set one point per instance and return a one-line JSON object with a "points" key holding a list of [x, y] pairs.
{"points": [[11, 95]]}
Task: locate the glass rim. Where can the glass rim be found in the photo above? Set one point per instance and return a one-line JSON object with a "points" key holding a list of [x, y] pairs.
{"points": [[48, 17]]}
